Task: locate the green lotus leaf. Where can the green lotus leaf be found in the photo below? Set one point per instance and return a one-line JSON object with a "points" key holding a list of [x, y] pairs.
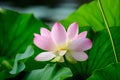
{"points": [[50, 72], [111, 72]]}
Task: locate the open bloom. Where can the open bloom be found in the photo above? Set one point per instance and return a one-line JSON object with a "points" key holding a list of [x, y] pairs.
{"points": [[58, 43]]}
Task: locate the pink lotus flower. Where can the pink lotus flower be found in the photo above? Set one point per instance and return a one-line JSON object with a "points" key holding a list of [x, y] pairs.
{"points": [[58, 43]]}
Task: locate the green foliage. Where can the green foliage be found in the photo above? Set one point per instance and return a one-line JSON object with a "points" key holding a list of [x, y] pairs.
{"points": [[16, 33], [111, 72], [50, 72], [18, 63], [90, 15]]}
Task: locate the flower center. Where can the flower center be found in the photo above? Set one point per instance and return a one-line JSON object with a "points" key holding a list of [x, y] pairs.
{"points": [[64, 46]]}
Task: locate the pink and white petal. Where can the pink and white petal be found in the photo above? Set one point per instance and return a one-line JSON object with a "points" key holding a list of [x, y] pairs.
{"points": [[79, 56], [36, 35], [61, 53], [82, 34], [44, 43], [45, 56], [80, 44], [45, 32], [58, 33], [72, 30]]}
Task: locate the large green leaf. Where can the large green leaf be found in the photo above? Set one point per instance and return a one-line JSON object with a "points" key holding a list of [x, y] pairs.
{"points": [[50, 72], [16, 33], [90, 15], [111, 72]]}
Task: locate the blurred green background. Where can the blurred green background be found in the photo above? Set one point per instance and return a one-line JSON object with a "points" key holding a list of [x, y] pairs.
{"points": [[48, 11]]}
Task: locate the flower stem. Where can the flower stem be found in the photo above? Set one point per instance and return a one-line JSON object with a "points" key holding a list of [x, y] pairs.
{"points": [[107, 26]]}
